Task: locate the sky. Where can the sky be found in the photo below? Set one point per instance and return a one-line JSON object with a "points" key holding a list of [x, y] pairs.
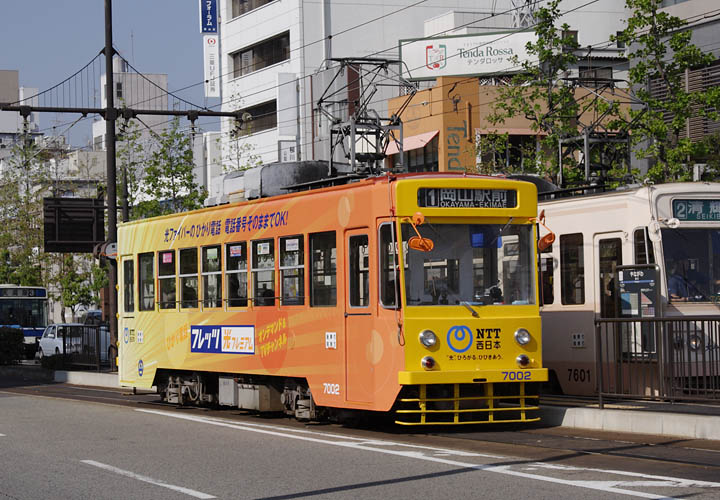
{"points": [[49, 40]]}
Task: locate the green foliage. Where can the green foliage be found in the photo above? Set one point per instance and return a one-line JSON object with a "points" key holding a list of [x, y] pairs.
{"points": [[660, 53], [169, 182], [130, 156], [537, 95], [11, 345]]}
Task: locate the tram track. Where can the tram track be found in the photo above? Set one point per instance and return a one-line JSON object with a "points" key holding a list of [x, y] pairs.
{"points": [[694, 459]]}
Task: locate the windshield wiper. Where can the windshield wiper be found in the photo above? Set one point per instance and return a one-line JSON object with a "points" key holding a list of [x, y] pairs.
{"points": [[470, 308]]}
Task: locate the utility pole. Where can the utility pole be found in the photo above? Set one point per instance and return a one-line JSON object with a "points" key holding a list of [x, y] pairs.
{"points": [[111, 180]]}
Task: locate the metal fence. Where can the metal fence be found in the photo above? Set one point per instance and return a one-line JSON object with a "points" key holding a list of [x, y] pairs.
{"points": [[84, 346], [658, 358]]}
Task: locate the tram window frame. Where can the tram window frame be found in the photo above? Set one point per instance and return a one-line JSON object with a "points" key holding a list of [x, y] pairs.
{"points": [[209, 274], [128, 286], [292, 269], [146, 276], [359, 271], [385, 241], [236, 277], [188, 273], [572, 269], [643, 251], [167, 283], [547, 276], [268, 266], [323, 268], [608, 247]]}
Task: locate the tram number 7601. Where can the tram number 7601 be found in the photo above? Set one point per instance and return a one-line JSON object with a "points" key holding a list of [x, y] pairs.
{"points": [[578, 375], [518, 375]]}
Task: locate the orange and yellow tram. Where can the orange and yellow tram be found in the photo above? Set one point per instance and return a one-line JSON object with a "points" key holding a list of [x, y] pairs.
{"points": [[412, 293]]}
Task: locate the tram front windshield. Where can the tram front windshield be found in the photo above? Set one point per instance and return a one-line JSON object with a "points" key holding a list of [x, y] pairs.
{"points": [[692, 263], [477, 264]]}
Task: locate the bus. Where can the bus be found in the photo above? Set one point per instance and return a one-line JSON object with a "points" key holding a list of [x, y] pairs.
{"points": [[25, 307], [412, 295], [671, 229]]}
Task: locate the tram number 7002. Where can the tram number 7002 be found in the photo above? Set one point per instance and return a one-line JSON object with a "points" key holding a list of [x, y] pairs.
{"points": [[519, 375]]}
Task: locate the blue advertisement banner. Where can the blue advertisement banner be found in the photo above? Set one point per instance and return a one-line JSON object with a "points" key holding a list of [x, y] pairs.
{"points": [[208, 16]]}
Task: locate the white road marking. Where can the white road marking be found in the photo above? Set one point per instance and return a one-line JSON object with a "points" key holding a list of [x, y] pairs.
{"points": [[613, 486], [2, 435], [156, 482]]}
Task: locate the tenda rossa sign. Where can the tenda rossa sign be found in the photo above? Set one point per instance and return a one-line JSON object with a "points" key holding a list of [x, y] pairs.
{"points": [[493, 54]]}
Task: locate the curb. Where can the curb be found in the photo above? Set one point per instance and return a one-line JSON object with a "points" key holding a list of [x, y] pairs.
{"points": [[636, 422]]}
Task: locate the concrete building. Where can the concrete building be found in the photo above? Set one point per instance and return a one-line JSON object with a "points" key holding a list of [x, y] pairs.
{"points": [[11, 122], [146, 91], [276, 57]]}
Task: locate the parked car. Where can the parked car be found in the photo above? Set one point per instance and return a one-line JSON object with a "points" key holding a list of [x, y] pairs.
{"points": [[51, 342]]}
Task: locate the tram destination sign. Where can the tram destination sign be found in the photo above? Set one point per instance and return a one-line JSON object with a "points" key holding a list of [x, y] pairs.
{"points": [[467, 198], [696, 210]]}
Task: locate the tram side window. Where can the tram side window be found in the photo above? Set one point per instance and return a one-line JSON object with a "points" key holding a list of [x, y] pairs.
{"points": [[547, 272], [323, 283], [644, 253], [263, 269], [359, 271], [236, 274], [292, 270], [188, 278], [389, 271], [128, 286], [572, 269], [166, 279], [610, 251], [147, 282], [212, 276]]}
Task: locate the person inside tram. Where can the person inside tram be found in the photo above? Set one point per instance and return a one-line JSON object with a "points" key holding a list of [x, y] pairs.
{"points": [[677, 284]]}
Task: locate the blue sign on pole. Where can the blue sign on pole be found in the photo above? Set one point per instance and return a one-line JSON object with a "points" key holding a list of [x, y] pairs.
{"points": [[208, 16]]}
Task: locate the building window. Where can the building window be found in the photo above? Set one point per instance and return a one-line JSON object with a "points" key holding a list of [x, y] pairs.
{"points": [[261, 55], [236, 274], [240, 7], [264, 117], [595, 76], [147, 282], [166, 279], [118, 90], [129, 286], [188, 278], [323, 284], [572, 269], [212, 276], [263, 272], [423, 159], [292, 270], [570, 38]]}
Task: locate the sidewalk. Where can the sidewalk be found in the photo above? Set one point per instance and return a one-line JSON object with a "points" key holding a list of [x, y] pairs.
{"points": [[684, 420]]}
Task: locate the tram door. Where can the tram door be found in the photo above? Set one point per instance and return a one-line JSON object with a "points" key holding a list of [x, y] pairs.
{"points": [[359, 316], [609, 256]]}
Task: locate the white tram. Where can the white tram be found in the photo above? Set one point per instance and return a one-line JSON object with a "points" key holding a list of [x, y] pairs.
{"points": [[676, 226]]}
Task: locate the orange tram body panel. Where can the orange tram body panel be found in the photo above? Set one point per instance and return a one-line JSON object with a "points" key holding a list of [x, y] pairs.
{"points": [[414, 294]]}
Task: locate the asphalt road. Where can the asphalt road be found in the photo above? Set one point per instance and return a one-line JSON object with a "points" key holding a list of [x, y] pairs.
{"points": [[59, 441]]}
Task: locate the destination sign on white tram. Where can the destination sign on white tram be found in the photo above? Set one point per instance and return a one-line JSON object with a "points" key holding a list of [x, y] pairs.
{"points": [[467, 198]]}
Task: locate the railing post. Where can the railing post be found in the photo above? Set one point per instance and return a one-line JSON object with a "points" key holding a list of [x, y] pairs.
{"points": [[598, 363], [97, 347]]}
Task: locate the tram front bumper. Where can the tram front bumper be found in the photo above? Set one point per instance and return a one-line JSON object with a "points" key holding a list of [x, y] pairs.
{"points": [[472, 376]]}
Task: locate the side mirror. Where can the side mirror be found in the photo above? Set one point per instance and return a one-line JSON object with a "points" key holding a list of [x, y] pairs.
{"points": [[421, 244], [546, 241]]}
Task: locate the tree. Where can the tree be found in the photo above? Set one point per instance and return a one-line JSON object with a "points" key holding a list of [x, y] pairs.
{"points": [[22, 183], [130, 158], [538, 95], [169, 184], [660, 54]]}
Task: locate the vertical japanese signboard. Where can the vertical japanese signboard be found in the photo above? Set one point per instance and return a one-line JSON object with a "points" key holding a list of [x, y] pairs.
{"points": [[208, 16], [211, 65]]}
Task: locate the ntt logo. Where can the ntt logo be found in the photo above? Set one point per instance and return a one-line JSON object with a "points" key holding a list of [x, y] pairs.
{"points": [[459, 338]]}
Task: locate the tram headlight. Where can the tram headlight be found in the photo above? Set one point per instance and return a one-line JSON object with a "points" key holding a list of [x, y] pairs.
{"points": [[428, 338], [522, 360], [694, 342], [522, 336], [428, 362]]}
